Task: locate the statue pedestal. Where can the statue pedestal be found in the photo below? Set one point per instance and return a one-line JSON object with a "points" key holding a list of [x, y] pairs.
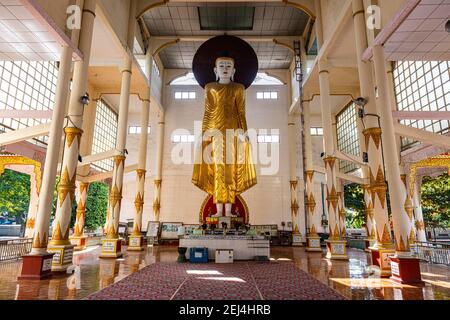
{"points": [[226, 220]]}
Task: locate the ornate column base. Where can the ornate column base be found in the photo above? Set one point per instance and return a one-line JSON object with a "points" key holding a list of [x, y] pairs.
{"points": [[406, 270], [79, 242], [111, 248], [336, 249], [36, 267], [136, 243], [313, 244], [297, 240], [380, 258], [63, 256]]}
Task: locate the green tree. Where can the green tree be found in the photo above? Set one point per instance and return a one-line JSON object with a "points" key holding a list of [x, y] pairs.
{"points": [[354, 206], [14, 195], [96, 205], [436, 201]]}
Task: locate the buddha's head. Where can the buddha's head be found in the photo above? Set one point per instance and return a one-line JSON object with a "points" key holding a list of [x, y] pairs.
{"points": [[225, 69]]}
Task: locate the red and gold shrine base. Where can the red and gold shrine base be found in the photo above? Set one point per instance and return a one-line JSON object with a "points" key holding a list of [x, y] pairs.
{"points": [[209, 208], [406, 270], [36, 267]]}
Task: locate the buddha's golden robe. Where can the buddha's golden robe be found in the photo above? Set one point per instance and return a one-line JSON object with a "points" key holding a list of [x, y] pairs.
{"points": [[229, 170]]}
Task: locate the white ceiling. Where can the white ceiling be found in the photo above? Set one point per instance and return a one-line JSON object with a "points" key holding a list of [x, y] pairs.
{"points": [[422, 35], [23, 37]]}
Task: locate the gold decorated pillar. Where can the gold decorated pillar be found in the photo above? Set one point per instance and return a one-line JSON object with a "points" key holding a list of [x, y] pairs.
{"points": [[397, 189], [60, 243], [382, 248], [368, 208], [336, 247], [341, 210], [294, 181], [37, 264], [112, 245], [405, 268], [409, 206], [159, 160], [136, 239], [313, 218], [419, 223], [79, 239]]}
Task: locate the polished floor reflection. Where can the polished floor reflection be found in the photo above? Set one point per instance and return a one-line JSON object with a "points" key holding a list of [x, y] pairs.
{"points": [[350, 278]]}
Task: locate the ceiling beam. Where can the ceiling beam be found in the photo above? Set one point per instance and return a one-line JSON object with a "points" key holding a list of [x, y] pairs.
{"points": [[25, 114], [424, 115], [24, 134], [106, 175], [422, 135]]}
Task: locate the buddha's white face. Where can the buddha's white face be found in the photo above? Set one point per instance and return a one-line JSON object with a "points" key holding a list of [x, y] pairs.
{"points": [[224, 70]]}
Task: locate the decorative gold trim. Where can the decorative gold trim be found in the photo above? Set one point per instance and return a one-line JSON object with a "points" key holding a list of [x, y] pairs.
{"points": [[7, 160], [141, 173], [294, 184], [118, 160], [66, 187], [442, 160], [71, 134], [149, 7], [301, 7], [310, 175], [157, 184], [375, 134]]}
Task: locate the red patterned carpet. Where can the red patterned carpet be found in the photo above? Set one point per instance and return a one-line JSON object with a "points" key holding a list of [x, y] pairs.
{"points": [[238, 281]]}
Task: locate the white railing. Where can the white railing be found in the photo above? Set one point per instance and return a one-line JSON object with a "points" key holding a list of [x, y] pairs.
{"points": [[14, 249]]}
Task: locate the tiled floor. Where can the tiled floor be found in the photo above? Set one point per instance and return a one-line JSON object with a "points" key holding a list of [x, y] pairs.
{"points": [[347, 277]]}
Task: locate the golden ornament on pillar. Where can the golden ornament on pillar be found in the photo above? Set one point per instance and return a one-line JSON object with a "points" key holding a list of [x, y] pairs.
{"points": [[313, 230], [401, 246], [71, 134], [310, 175], [311, 203], [375, 134], [157, 184], [412, 236], [385, 238], [295, 207], [115, 197], [139, 202], [332, 198], [420, 225], [369, 210], [294, 184], [66, 186], [141, 173], [330, 162], [30, 223], [118, 160], [409, 208]]}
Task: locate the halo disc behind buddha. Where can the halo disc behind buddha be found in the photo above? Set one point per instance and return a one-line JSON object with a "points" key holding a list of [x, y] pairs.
{"points": [[245, 58]]}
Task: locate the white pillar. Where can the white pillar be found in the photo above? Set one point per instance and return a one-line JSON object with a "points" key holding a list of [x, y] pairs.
{"points": [[336, 247], [40, 237], [159, 162], [397, 190], [136, 238], [293, 178], [313, 217], [66, 189], [418, 214], [372, 133], [111, 246]]}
